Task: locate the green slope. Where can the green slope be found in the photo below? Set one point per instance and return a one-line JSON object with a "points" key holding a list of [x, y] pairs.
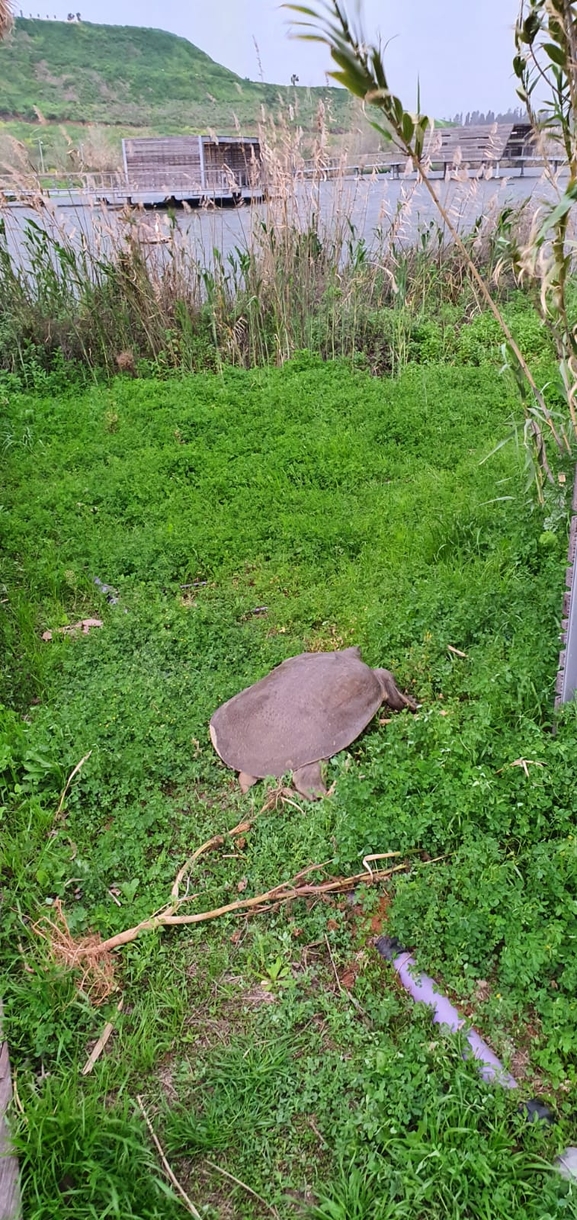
{"points": [[129, 76]]}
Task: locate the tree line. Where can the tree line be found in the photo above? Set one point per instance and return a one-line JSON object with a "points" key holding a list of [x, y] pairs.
{"points": [[478, 118]]}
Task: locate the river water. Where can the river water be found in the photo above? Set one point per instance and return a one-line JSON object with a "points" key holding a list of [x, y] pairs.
{"points": [[370, 207]]}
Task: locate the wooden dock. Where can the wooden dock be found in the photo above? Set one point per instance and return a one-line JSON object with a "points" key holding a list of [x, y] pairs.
{"points": [[116, 195], [160, 171], [9, 1180], [475, 150], [203, 171], [192, 169]]}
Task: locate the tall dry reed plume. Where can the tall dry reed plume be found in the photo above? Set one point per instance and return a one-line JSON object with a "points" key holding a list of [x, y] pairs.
{"points": [[6, 18]]}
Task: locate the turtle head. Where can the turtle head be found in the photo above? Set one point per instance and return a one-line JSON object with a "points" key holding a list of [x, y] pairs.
{"points": [[391, 693]]}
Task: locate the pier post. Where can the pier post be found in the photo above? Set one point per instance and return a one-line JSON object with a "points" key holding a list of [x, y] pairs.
{"points": [[201, 158]]}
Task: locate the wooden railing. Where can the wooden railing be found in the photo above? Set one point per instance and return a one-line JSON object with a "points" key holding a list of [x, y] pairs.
{"points": [[396, 166]]}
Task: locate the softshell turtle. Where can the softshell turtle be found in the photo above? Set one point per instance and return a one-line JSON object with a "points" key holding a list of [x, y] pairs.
{"points": [[304, 711]]}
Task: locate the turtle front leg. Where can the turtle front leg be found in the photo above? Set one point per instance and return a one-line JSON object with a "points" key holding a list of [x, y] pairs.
{"points": [[246, 781], [309, 781]]}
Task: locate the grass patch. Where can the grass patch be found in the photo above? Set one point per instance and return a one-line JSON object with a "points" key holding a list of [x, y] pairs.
{"points": [[355, 510]]}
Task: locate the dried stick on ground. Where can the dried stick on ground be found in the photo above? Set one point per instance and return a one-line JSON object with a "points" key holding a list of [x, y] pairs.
{"points": [[244, 1186], [72, 773], [215, 841], [97, 1050], [168, 1171], [9, 1182]]}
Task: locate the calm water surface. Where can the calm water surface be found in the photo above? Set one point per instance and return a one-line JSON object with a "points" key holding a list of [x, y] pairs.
{"points": [[374, 205]]}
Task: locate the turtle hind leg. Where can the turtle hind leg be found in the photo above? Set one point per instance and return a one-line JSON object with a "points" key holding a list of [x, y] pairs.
{"points": [[309, 781], [246, 781]]}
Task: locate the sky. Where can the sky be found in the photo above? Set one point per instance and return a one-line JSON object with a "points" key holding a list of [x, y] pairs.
{"points": [[460, 49]]}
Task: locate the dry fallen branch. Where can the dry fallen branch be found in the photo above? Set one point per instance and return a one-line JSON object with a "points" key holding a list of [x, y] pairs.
{"points": [[524, 763], [215, 841], [280, 795], [92, 955], [381, 855], [287, 891]]}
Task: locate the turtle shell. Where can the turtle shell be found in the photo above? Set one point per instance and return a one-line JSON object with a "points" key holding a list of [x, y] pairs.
{"points": [[306, 709]]}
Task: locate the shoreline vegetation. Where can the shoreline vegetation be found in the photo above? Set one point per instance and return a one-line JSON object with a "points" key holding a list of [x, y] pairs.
{"points": [[126, 292]]}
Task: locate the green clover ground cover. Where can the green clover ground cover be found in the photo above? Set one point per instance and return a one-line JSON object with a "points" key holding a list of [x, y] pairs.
{"points": [[355, 510]]}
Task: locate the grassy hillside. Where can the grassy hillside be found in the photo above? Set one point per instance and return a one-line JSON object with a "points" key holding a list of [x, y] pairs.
{"points": [[133, 77]]}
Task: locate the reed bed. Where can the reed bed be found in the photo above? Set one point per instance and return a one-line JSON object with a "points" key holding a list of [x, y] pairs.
{"points": [[133, 292]]}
